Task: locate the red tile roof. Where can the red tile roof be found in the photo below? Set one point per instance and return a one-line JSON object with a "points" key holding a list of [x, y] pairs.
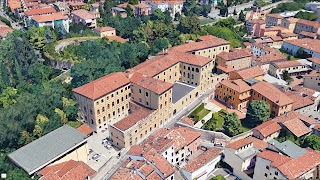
{"points": [[276, 38], [83, 14], [76, 3], [152, 84], [293, 115], [143, 5], [308, 34], [41, 11], [75, 170], [250, 72], [160, 162], [268, 128], [287, 35], [275, 158], [118, 38], [104, 29], [278, 16], [50, 17], [272, 93], [225, 68], [237, 85], [125, 174], [187, 121], [301, 96], [243, 142], [313, 74], [234, 54], [309, 23], [256, 21], [103, 85], [160, 144], [138, 113], [285, 64], [314, 60], [307, 43], [298, 166], [292, 20], [297, 127], [203, 159], [4, 30], [85, 129], [206, 38]]}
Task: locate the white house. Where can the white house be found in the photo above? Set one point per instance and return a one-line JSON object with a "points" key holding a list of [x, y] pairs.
{"points": [[200, 167], [51, 20], [310, 46]]}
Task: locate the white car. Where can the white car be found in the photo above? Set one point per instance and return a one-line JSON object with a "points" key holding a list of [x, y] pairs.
{"points": [[108, 146], [104, 141]]}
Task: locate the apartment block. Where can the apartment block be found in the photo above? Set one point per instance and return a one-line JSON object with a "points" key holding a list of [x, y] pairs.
{"points": [[235, 58], [134, 104], [289, 23], [273, 19], [84, 17], [308, 45], [298, 67], [312, 80], [306, 25], [278, 101]]}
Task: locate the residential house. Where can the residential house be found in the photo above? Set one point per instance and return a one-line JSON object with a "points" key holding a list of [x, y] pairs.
{"points": [[305, 34], [306, 25], [61, 145], [271, 31], [67, 170], [264, 55], [253, 26], [241, 156], [312, 80], [273, 19], [200, 167], [235, 93], [288, 36], [142, 9], [4, 30], [247, 73], [315, 63], [94, 9], [52, 20], [278, 101], [115, 11], [235, 58], [84, 17], [173, 7], [144, 163], [289, 23], [309, 46], [267, 131], [75, 5], [287, 161], [105, 31], [62, 7], [293, 68], [36, 12]]}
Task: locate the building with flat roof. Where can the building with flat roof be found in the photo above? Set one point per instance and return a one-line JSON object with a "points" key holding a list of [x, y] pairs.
{"points": [[60, 145]]}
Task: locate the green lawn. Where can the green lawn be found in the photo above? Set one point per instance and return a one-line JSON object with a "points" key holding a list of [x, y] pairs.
{"points": [[219, 120], [204, 21], [203, 113]]}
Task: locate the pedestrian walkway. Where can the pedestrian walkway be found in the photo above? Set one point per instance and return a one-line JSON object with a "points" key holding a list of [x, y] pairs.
{"points": [[199, 124]]}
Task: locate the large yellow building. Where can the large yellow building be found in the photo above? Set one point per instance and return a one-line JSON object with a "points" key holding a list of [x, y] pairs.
{"points": [[135, 103]]}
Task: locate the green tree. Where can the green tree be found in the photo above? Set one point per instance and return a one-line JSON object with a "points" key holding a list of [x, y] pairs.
{"points": [[258, 111], [159, 45], [189, 25], [167, 17], [143, 51], [218, 177], [312, 141], [8, 97], [62, 115], [286, 77], [188, 6], [242, 18], [302, 54], [133, 2], [224, 11], [306, 15], [157, 15], [177, 16], [25, 137], [232, 124], [129, 11], [205, 10], [41, 119], [37, 131]]}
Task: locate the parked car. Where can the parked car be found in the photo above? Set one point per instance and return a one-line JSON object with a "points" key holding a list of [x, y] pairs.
{"points": [[218, 144], [104, 141], [90, 151], [108, 146], [96, 156], [299, 77]]}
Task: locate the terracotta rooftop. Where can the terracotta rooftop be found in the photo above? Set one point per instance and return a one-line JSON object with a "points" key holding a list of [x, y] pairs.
{"points": [[293, 115], [85, 129], [250, 72], [125, 174], [49, 17], [298, 166], [152, 84], [4, 30], [207, 38], [83, 14], [143, 5], [256, 21], [270, 58], [314, 60], [76, 170], [243, 142], [234, 54], [301, 96], [76, 3], [160, 163], [237, 85], [181, 136], [287, 35], [203, 159], [285, 64], [194, 46], [308, 34], [292, 20], [307, 43], [278, 16], [272, 93], [137, 113], [296, 127], [103, 85], [276, 38], [225, 68], [118, 38], [104, 29], [187, 121], [41, 11], [313, 74], [275, 158], [160, 144], [309, 23], [268, 128]]}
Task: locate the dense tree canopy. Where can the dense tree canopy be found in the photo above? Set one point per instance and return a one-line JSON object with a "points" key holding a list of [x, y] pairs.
{"points": [[306, 15], [232, 125], [312, 141], [258, 111]]}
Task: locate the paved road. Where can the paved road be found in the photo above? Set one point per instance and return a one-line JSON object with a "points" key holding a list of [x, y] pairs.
{"points": [[3, 14]]}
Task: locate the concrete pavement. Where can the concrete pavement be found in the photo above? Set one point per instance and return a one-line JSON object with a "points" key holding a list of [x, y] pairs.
{"points": [[214, 14]]}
